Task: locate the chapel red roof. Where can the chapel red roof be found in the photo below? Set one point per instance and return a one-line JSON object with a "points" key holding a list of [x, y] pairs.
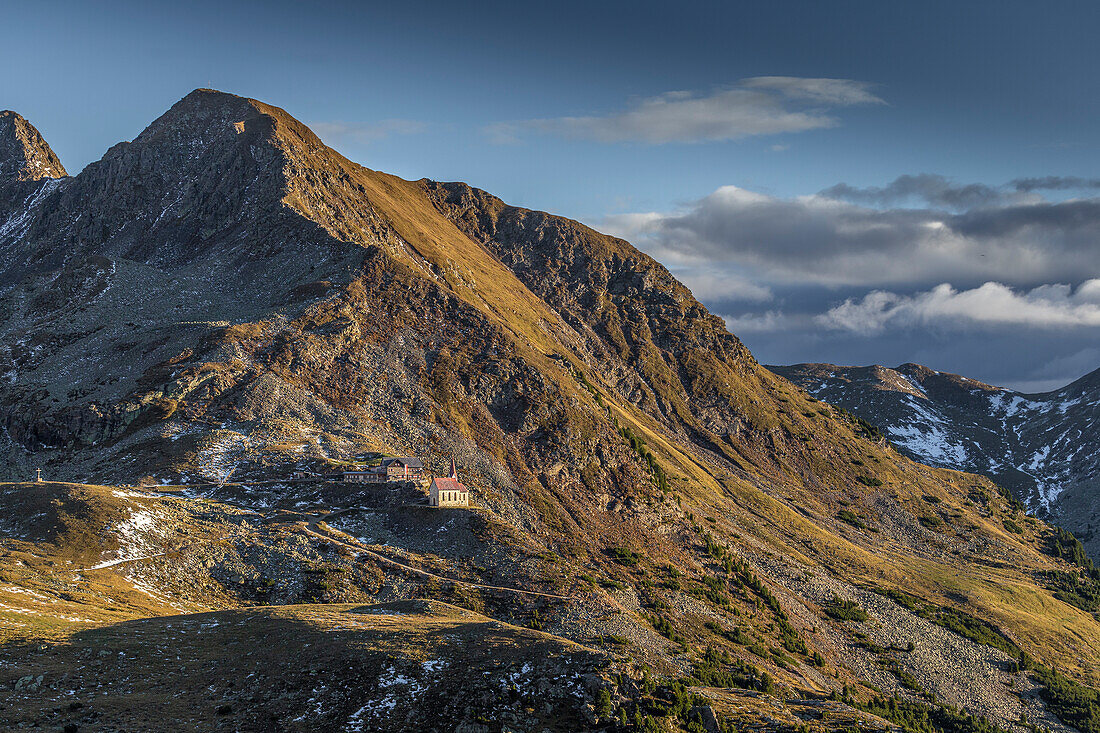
{"points": [[448, 484]]}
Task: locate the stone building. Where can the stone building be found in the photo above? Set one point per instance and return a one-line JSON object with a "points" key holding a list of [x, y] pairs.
{"points": [[391, 469], [448, 491]]}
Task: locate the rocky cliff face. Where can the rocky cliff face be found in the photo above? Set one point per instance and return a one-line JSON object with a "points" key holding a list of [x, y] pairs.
{"points": [[1041, 446], [24, 154], [29, 173], [225, 299], [641, 327]]}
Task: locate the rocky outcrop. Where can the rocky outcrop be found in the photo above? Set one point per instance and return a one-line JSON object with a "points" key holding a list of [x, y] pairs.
{"points": [[24, 154], [646, 335]]}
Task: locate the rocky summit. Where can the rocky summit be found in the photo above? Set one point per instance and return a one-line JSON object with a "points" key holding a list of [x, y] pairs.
{"points": [[216, 340], [24, 155]]}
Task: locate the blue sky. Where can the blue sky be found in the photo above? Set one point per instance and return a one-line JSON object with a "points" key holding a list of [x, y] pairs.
{"points": [[685, 127]]}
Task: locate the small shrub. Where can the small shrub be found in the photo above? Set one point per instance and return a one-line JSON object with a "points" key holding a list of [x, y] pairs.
{"points": [[846, 515], [718, 669], [907, 680], [1072, 702], [915, 716], [604, 708], [861, 427], [639, 446], [664, 627], [624, 556], [615, 639], [1064, 545], [1080, 589], [844, 610]]}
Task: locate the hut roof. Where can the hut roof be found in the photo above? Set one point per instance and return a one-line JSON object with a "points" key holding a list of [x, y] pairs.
{"points": [[403, 461], [448, 484]]}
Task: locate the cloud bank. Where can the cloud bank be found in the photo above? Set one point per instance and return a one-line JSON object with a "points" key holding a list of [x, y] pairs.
{"points": [[998, 282], [766, 105], [822, 240], [939, 191], [1047, 306]]}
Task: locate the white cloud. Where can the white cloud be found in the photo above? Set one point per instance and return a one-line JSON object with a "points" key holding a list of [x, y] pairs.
{"points": [[834, 92], [757, 106], [629, 226], [1046, 306], [1024, 274], [769, 321], [707, 283]]}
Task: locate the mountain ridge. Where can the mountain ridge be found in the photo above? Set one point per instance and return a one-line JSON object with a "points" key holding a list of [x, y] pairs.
{"points": [[1036, 444], [220, 309]]}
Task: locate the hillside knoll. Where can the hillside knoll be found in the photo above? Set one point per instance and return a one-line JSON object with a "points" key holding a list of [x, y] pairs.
{"points": [[408, 665], [225, 298]]}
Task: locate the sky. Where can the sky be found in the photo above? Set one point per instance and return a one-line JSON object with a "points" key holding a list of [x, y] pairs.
{"points": [[848, 182]]}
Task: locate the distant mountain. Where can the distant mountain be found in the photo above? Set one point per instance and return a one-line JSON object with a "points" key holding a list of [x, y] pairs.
{"points": [[1044, 447], [225, 301]]}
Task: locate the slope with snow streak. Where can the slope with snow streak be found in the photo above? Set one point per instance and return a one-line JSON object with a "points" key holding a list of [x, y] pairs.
{"points": [[1044, 447]]}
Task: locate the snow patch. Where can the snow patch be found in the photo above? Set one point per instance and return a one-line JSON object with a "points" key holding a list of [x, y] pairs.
{"points": [[397, 687], [930, 443], [139, 538]]}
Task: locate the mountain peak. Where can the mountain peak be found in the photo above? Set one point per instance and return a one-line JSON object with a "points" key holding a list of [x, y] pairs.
{"points": [[208, 129], [204, 114], [24, 153], [210, 100], [210, 113]]}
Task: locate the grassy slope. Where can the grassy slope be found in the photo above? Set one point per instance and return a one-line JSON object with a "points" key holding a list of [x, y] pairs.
{"points": [[54, 534]]}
